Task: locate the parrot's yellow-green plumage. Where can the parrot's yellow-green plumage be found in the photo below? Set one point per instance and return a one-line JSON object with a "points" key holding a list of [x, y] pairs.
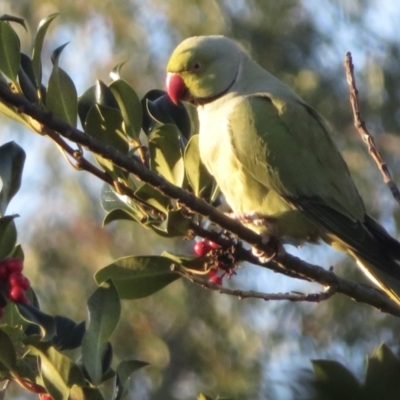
{"points": [[272, 154]]}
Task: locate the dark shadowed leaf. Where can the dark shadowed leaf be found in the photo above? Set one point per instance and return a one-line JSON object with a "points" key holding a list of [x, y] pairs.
{"points": [[105, 96], [12, 159], [159, 108], [61, 96], [38, 45], [139, 276], [45, 322], [8, 358], [9, 51], [334, 381], [124, 370], [69, 334], [104, 310], [383, 371], [85, 103], [165, 153], [27, 80], [130, 107], [55, 56], [8, 236], [199, 178]]}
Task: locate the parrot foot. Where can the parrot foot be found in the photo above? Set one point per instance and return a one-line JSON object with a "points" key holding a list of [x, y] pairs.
{"points": [[268, 232], [256, 219], [277, 249]]}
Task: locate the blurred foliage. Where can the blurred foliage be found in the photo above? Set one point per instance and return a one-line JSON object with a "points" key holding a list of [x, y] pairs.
{"points": [[197, 341]]}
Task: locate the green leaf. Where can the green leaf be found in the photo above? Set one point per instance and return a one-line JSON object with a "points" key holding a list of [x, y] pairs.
{"points": [[8, 236], [105, 124], [115, 74], [199, 178], [165, 154], [45, 322], [12, 159], [61, 97], [335, 381], [58, 372], [104, 95], [38, 45], [85, 393], [9, 51], [124, 370], [175, 224], [104, 310], [202, 396], [27, 80], [117, 215], [138, 276], [8, 358], [12, 18], [130, 107], [383, 371], [120, 207], [153, 197]]}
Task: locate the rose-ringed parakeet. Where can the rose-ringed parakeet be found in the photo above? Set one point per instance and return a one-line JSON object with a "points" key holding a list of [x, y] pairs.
{"points": [[272, 156]]}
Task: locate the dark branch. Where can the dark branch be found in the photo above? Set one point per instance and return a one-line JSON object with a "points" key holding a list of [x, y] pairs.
{"points": [[282, 264]]}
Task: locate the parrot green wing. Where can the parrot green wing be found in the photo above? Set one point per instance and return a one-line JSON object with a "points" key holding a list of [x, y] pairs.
{"points": [[286, 146]]}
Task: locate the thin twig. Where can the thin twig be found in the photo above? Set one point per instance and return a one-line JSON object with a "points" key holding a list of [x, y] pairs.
{"points": [[81, 163], [358, 292], [360, 125], [251, 294]]}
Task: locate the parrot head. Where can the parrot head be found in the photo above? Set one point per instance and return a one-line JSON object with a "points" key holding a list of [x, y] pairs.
{"points": [[202, 68]]}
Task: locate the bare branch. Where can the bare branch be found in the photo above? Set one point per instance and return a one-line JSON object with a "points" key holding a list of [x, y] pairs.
{"points": [[251, 294], [363, 131], [281, 264]]}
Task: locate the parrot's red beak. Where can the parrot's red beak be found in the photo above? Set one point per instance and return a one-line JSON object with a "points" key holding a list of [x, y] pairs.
{"points": [[175, 87]]}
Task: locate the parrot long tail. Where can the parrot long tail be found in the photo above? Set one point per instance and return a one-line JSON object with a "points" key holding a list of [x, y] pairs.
{"points": [[382, 268]]}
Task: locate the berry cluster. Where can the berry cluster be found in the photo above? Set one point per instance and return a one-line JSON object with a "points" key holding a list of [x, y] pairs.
{"points": [[13, 282], [218, 260]]}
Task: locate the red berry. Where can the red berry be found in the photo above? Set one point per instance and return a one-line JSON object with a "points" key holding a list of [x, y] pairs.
{"points": [[212, 272], [216, 279], [213, 245], [3, 271], [14, 265], [46, 397], [17, 279], [201, 248], [17, 294]]}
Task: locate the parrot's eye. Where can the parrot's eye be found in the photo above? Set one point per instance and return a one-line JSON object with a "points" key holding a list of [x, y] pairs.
{"points": [[196, 66]]}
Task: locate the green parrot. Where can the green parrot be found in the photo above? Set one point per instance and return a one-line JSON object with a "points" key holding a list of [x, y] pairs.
{"points": [[273, 157]]}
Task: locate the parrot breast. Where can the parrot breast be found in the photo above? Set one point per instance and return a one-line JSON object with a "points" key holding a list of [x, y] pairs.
{"points": [[242, 191]]}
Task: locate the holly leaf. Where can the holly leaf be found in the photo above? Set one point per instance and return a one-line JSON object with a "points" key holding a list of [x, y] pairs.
{"points": [[138, 276]]}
